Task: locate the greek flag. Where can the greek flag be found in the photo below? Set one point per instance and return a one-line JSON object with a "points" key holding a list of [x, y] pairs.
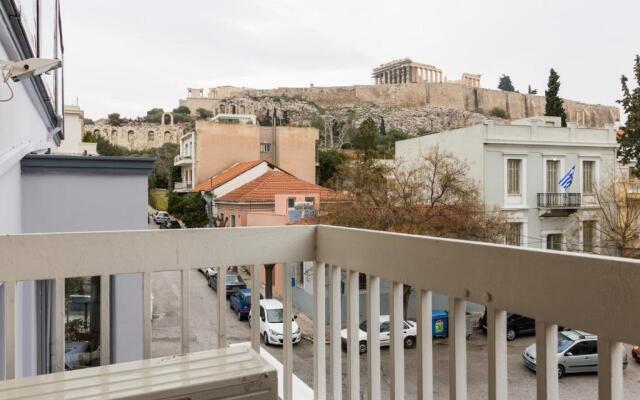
{"points": [[567, 179]]}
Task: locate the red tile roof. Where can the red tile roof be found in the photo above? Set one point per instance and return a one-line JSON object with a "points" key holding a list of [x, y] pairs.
{"points": [[264, 188], [226, 175]]}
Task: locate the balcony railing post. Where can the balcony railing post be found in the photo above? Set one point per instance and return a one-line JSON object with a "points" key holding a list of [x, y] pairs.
{"points": [[397, 341], [146, 315], [425, 345], [610, 382], [105, 319], [58, 325], [546, 361], [186, 284], [9, 329], [287, 344], [373, 336], [457, 349], [353, 354], [255, 308], [336, 323], [221, 290], [497, 340], [319, 335]]}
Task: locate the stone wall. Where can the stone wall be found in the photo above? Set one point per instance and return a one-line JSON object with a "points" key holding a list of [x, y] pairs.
{"points": [[138, 136], [413, 95]]}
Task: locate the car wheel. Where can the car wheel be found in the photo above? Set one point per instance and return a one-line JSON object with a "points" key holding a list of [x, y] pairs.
{"points": [[561, 371], [266, 339], [239, 316], [409, 342], [362, 347], [511, 335]]}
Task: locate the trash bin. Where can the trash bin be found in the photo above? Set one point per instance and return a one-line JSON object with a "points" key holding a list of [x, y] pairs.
{"points": [[469, 325], [440, 320]]}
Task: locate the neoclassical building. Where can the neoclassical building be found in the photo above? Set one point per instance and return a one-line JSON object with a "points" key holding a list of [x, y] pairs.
{"points": [[407, 71]]}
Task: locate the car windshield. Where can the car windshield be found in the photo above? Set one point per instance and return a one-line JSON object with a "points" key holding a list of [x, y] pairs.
{"points": [[563, 342], [233, 280], [274, 315]]}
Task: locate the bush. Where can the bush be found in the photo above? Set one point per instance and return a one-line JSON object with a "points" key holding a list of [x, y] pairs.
{"points": [[499, 113], [190, 208]]}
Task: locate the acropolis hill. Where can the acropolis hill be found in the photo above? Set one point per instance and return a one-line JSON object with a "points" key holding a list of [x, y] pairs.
{"points": [[414, 97]]}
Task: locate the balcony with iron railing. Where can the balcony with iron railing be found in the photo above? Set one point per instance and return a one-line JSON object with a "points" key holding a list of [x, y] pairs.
{"points": [[183, 159], [537, 283], [182, 186], [559, 200]]}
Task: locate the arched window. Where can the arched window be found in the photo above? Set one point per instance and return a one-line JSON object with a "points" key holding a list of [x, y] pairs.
{"points": [[96, 132], [222, 109], [150, 136], [232, 108], [167, 137], [114, 136], [131, 136]]}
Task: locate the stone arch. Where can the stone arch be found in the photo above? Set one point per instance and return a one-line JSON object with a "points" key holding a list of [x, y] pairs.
{"points": [[232, 109], [96, 131], [163, 119], [114, 136], [167, 137], [223, 109], [243, 109], [131, 136], [150, 137]]}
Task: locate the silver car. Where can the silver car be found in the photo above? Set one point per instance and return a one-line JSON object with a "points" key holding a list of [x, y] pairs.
{"points": [[577, 352]]}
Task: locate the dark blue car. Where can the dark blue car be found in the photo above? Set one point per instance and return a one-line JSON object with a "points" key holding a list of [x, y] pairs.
{"points": [[240, 301]]}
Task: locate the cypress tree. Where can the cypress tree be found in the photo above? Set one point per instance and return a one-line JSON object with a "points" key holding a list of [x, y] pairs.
{"points": [[505, 84], [554, 104], [629, 149]]}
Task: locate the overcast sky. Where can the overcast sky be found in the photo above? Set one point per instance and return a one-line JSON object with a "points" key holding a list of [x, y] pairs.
{"points": [[130, 56]]}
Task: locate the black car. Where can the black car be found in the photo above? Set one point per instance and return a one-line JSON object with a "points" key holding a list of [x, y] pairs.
{"points": [[517, 325], [170, 224], [234, 282]]}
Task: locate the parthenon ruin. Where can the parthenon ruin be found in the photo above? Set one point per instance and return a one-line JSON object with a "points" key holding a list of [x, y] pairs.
{"points": [[407, 71]]}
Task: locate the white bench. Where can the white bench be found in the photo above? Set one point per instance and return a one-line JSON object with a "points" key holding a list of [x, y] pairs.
{"points": [[236, 372]]}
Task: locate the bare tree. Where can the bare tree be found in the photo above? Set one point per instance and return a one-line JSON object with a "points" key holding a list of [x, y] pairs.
{"points": [[434, 196], [619, 202]]}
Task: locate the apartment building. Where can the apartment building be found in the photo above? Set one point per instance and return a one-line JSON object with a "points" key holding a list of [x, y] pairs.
{"points": [[519, 168], [236, 138]]}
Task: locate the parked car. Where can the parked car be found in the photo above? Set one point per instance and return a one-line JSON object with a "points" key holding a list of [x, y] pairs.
{"points": [[635, 353], [577, 352], [170, 224], [271, 327], [233, 282], [517, 325], [160, 217], [410, 332], [240, 302]]}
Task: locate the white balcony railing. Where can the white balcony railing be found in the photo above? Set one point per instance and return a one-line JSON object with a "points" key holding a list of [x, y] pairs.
{"points": [[182, 186], [182, 159], [594, 293]]}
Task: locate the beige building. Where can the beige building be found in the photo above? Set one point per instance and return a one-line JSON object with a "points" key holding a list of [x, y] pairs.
{"points": [[215, 146], [140, 135], [73, 132], [407, 71]]}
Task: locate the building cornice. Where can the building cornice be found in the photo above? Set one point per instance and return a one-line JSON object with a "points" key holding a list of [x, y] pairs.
{"points": [[56, 163]]}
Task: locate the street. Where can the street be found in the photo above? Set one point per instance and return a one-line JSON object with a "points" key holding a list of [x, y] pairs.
{"points": [[522, 382]]}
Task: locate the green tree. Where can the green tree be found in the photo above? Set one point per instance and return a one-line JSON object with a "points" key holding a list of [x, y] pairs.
{"points": [[203, 113], [88, 121], [154, 115], [114, 119], [182, 110], [532, 91], [330, 161], [365, 137], [630, 139], [383, 128], [554, 104], [190, 208], [106, 148], [505, 84], [161, 176]]}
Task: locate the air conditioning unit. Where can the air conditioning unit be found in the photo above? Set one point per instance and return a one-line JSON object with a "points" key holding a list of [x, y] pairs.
{"points": [[230, 373]]}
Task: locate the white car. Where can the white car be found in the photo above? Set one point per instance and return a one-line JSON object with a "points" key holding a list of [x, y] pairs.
{"points": [[271, 327], [208, 272], [410, 332], [161, 216]]}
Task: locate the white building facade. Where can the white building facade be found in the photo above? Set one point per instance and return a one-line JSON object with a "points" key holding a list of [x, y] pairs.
{"points": [[519, 168]]}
